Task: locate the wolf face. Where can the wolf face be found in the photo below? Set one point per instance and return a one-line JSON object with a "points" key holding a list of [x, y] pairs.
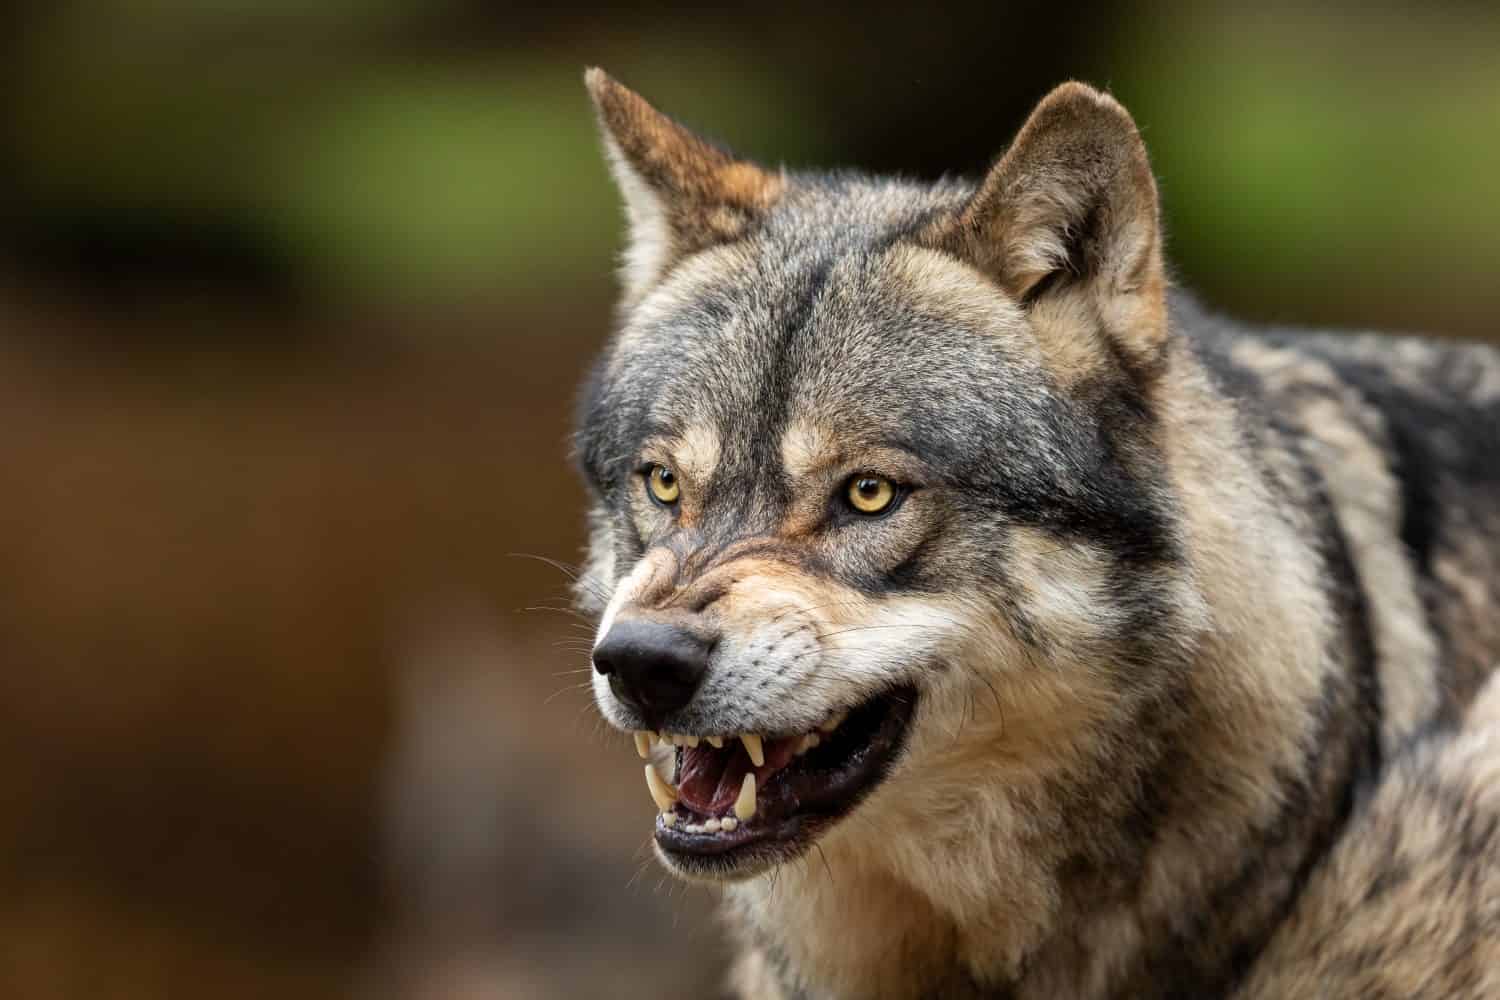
{"points": [[876, 481]]}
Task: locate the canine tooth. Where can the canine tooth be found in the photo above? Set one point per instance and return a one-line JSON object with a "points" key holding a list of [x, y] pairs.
{"points": [[754, 747], [728, 824], [717, 742], [669, 819], [835, 722], [744, 806], [712, 825], [643, 743], [663, 794]]}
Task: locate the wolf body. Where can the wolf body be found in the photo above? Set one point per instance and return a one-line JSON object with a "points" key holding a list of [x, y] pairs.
{"points": [[1189, 620]]}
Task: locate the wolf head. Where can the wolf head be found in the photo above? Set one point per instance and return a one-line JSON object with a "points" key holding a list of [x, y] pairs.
{"points": [[876, 479]]}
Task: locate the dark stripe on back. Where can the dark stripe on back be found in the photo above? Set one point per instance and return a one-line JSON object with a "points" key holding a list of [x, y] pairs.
{"points": [[1345, 756]]}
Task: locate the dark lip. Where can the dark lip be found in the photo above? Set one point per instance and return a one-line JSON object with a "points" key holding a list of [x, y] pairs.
{"points": [[810, 797]]}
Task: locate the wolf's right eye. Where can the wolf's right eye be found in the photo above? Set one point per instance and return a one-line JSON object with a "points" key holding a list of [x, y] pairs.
{"points": [[662, 482], [871, 494]]}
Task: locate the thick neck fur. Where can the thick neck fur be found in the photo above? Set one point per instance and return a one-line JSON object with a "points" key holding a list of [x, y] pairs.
{"points": [[1073, 839]]}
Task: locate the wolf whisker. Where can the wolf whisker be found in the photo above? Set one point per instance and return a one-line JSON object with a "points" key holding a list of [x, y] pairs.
{"points": [[564, 690], [826, 866], [571, 571], [815, 607], [556, 610], [866, 628]]}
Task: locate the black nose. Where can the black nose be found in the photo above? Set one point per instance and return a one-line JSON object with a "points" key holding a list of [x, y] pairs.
{"points": [[654, 667]]}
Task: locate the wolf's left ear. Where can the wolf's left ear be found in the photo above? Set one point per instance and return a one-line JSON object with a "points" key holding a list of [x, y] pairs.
{"points": [[682, 194], [1072, 205]]}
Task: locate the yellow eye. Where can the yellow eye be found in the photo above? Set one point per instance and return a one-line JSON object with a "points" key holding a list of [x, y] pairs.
{"points": [[663, 484], [871, 494]]}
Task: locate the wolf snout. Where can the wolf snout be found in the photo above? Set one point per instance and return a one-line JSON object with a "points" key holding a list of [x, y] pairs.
{"points": [[652, 666]]}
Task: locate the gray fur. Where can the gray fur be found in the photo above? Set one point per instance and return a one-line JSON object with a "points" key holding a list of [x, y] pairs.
{"points": [[1184, 601]]}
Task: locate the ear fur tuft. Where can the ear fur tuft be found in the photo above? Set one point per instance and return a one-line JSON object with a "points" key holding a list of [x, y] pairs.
{"points": [[682, 193]]}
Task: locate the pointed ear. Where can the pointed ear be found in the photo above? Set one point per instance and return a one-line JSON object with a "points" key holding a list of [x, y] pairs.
{"points": [[1072, 206], [682, 194]]}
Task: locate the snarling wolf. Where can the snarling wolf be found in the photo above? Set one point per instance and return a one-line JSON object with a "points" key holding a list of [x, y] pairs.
{"points": [[994, 621]]}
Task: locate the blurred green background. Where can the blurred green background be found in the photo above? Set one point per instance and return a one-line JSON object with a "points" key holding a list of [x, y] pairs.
{"points": [[293, 301]]}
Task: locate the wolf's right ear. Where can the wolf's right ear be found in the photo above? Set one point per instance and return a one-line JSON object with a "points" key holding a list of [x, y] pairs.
{"points": [[682, 194]]}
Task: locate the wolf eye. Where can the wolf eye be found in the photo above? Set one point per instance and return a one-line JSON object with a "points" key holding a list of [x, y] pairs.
{"points": [[662, 482], [870, 494]]}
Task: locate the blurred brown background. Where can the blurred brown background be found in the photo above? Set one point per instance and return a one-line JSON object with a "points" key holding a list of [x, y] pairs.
{"points": [[293, 301]]}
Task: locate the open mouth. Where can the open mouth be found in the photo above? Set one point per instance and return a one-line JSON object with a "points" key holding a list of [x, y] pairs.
{"points": [[742, 801]]}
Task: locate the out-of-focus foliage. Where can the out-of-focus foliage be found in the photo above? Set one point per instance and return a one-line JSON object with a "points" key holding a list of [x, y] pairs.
{"points": [[1332, 160], [1338, 164]]}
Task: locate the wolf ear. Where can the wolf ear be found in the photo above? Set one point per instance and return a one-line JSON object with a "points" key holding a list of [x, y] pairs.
{"points": [[682, 194], [1072, 204]]}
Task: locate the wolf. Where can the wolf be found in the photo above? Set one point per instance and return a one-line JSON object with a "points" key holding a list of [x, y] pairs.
{"points": [[995, 621]]}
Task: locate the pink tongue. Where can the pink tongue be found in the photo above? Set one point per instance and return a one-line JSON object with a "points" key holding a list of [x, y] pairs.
{"points": [[709, 780]]}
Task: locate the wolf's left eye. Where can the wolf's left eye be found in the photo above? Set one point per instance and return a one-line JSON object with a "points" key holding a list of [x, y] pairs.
{"points": [[662, 482], [870, 494]]}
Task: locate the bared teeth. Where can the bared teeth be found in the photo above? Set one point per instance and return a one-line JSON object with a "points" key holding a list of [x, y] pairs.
{"points": [[669, 819], [717, 742], [808, 741], [744, 806], [643, 740], [834, 722], [755, 748], [690, 741], [714, 824], [662, 793]]}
